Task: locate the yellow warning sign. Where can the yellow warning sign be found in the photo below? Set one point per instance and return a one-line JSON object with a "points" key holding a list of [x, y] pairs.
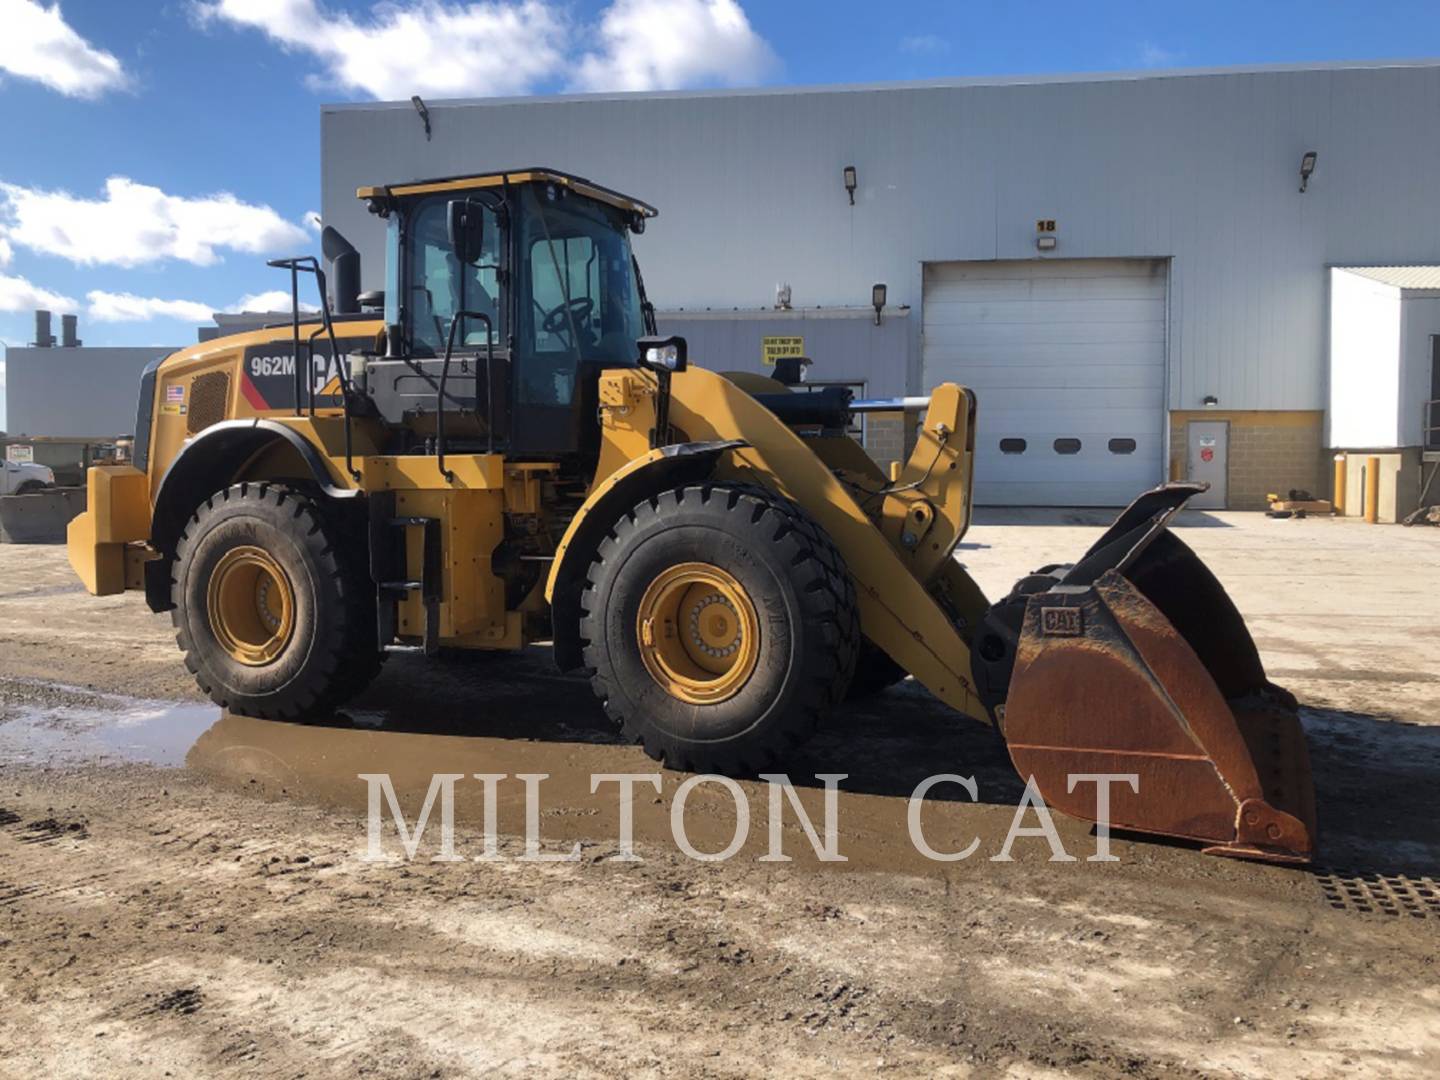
{"points": [[772, 348]]}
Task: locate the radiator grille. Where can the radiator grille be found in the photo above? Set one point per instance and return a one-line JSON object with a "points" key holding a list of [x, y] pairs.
{"points": [[207, 400]]}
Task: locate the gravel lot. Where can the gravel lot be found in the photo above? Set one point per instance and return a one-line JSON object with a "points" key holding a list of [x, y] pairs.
{"points": [[184, 893]]}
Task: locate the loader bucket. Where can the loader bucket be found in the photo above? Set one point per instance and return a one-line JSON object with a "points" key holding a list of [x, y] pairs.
{"points": [[1135, 661]]}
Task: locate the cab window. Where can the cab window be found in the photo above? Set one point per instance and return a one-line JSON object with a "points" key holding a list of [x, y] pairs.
{"points": [[438, 286], [579, 302]]}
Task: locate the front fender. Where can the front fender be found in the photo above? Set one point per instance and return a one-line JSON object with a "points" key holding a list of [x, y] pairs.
{"points": [[659, 470]]}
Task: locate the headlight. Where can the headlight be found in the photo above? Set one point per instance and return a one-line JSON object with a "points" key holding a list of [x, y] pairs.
{"points": [[662, 353]]}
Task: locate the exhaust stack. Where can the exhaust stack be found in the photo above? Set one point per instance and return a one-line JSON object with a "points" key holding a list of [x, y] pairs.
{"points": [[43, 338], [344, 271]]}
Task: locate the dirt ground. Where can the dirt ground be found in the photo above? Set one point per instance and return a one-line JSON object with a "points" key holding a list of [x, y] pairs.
{"points": [[183, 893]]}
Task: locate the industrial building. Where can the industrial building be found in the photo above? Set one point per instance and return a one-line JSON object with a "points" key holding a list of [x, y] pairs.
{"points": [[67, 403], [1133, 271]]}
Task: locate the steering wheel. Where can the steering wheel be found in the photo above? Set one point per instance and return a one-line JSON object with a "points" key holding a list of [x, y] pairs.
{"points": [[558, 318]]}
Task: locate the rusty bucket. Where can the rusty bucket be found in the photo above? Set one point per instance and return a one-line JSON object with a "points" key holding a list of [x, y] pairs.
{"points": [[1134, 661]]}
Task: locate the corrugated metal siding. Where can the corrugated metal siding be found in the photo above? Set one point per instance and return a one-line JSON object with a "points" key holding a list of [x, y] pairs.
{"points": [[1201, 168], [843, 346]]}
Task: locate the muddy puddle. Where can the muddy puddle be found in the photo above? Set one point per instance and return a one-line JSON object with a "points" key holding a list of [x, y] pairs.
{"points": [[515, 717], [59, 725]]}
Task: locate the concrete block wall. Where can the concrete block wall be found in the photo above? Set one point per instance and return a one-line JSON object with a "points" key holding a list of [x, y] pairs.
{"points": [[885, 438], [1268, 452]]}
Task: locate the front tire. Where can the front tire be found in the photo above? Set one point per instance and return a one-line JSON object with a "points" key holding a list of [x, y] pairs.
{"points": [[271, 608], [720, 626]]}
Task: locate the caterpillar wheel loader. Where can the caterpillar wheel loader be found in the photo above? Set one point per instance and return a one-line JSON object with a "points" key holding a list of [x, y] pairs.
{"points": [[500, 449]]}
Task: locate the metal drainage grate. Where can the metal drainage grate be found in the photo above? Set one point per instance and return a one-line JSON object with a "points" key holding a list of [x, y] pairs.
{"points": [[1374, 893]]}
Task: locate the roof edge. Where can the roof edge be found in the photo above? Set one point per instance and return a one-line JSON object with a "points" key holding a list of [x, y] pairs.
{"points": [[950, 82]]}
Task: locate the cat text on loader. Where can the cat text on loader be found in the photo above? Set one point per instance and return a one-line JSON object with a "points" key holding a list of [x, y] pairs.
{"points": [[499, 449]]}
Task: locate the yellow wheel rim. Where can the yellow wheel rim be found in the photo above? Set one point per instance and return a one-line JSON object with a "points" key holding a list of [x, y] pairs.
{"points": [[698, 632], [251, 606]]}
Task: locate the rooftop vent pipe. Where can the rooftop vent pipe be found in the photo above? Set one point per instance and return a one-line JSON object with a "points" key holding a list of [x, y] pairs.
{"points": [[69, 324]]}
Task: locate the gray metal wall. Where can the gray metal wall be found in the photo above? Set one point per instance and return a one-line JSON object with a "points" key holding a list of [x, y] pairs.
{"points": [[84, 393], [843, 345], [1198, 166]]}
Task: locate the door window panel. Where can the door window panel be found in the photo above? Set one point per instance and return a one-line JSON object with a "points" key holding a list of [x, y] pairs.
{"points": [[439, 286]]}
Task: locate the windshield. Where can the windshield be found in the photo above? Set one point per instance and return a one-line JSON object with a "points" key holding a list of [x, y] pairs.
{"points": [[578, 301], [439, 285]]}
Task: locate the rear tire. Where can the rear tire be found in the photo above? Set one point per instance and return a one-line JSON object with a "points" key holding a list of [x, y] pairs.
{"points": [[754, 577], [272, 609]]}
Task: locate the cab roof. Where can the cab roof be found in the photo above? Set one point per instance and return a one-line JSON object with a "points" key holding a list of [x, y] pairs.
{"points": [[578, 184]]}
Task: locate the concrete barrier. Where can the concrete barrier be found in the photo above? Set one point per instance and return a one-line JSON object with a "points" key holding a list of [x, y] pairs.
{"points": [[40, 518]]}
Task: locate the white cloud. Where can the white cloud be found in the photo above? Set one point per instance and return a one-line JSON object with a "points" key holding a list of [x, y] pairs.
{"points": [[924, 44], [127, 307], [135, 223], [37, 43], [1152, 55], [421, 47], [271, 300], [5, 251], [505, 47], [668, 44], [18, 294], [312, 220]]}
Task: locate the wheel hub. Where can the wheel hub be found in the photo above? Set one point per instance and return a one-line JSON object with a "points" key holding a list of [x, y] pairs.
{"points": [[698, 632], [251, 606]]}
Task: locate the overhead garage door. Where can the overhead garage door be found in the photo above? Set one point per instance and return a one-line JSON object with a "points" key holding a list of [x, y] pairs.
{"points": [[1067, 359]]}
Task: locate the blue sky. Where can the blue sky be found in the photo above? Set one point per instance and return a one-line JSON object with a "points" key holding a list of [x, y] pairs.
{"points": [[154, 154]]}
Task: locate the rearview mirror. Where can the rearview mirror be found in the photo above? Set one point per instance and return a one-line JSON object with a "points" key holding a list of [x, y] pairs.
{"points": [[465, 224]]}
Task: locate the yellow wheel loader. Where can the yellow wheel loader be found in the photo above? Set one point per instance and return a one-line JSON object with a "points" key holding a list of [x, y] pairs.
{"points": [[499, 449]]}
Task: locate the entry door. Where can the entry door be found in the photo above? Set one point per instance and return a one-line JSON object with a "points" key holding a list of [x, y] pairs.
{"points": [[1209, 450]]}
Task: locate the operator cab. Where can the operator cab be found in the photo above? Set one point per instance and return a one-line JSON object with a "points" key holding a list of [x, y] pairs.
{"points": [[527, 278]]}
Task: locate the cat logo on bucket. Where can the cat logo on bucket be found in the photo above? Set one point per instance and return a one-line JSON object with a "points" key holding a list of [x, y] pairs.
{"points": [[1061, 622]]}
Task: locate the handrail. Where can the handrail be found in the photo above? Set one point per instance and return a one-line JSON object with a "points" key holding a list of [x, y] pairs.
{"points": [[1430, 432], [309, 264], [489, 387]]}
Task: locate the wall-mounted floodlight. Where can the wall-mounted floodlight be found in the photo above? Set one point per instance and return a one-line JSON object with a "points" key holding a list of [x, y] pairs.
{"points": [[424, 114], [877, 299], [1210, 401], [850, 182], [1307, 166]]}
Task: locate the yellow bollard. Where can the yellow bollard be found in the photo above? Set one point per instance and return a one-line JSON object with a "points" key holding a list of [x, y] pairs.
{"points": [[1339, 499], [1372, 490]]}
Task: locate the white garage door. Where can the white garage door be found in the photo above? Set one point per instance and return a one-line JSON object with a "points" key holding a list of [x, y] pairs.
{"points": [[1067, 359]]}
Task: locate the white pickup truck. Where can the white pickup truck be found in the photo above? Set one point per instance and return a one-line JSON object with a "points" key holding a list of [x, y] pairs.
{"points": [[25, 478]]}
